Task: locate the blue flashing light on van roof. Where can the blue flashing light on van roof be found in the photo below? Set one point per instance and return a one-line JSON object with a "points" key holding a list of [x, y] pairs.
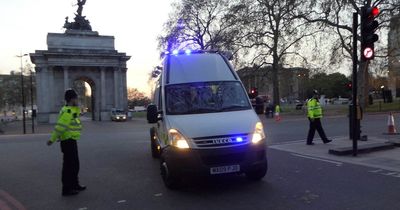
{"points": [[176, 52]]}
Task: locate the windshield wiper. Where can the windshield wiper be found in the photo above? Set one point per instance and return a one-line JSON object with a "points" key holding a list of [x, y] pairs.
{"points": [[234, 108], [203, 110]]}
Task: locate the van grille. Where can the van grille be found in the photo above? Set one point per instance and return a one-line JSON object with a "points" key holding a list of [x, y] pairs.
{"points": [[224, 159], [221, 141]]}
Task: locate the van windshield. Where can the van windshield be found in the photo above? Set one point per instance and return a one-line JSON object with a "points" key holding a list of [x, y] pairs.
{"points": [[205, 97]]}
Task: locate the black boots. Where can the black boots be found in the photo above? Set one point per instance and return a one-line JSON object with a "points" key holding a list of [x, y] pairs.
{"points": [[80, 188], [69, 192], [74, 191]]}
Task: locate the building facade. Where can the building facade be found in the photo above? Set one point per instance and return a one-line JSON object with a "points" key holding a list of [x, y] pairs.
{"points": [[292, 82]]}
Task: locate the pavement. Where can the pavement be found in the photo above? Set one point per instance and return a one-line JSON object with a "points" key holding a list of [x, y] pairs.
{"points": [[385, 160], [117, 167]]}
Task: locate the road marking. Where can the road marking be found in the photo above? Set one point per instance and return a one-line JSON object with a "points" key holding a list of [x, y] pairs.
{"points": [[391, 173], [286, 142], [386, 173], [12, 200], [376, 171], [319, 159], [303, 140], [121, 201]]}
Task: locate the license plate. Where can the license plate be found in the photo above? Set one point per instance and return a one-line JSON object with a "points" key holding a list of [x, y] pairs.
{"points": [[225, 169]]}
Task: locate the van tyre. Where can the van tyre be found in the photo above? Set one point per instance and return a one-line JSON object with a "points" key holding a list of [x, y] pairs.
{"points": [[257, 174], [155, 153], [171, 180]]}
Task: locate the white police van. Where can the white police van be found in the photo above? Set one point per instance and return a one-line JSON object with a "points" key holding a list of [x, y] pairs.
{"points": [[203, 120]]}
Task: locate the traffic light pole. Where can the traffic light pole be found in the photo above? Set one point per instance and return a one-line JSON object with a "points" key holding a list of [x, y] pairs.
{"points": [[355, 64]]}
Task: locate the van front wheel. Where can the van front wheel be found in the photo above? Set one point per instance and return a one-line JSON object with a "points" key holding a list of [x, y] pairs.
{"points": [[257, 174], [171, 180]]}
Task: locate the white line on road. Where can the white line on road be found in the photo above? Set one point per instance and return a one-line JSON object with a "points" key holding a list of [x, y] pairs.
{"points": [[376, 171], [319, 159], [391, 173], [121, 201], [303, 140]]}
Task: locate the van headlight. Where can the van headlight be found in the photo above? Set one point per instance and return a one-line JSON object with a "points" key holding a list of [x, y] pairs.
{"points": [[258, 134], [177, 139]]}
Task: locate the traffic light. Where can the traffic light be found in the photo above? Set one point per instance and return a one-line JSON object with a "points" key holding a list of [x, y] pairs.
{"points": [[368, 36], [253, 93], [349, 86]]}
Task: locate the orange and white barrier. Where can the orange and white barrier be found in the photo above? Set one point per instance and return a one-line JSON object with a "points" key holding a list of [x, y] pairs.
{"points": [[391, 126], [277, 117]]}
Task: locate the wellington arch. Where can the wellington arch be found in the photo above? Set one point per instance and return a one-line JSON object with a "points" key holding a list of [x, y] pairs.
{"points": [[80, 54]]}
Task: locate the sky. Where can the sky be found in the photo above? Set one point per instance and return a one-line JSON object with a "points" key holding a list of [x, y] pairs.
{"points": [[135, 24]]}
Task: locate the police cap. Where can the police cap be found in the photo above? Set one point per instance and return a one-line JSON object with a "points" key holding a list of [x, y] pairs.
{"points": [[70, 94]]}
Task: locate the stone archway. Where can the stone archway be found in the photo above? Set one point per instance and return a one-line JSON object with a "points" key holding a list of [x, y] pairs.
{"points": [[86, 89], [74, 55]]}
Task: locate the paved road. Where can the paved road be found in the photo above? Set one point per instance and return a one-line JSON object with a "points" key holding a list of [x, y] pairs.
{"points": [[120, 174], [296, 128]]}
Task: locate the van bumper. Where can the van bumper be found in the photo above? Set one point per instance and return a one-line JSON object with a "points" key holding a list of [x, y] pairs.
{"points": [[200, 161]]}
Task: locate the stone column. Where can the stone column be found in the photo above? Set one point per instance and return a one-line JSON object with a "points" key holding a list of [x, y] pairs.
{"points": [[103, 88], [116, 85], [120, 89], [51, 99], [103, 94], [39, 87], [66, 77], [42, 93], [124, 89]]}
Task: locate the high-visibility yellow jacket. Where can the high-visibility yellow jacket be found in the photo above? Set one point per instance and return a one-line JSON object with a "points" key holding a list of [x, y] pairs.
{"points": [[68, 124], [314, 109], [277, 109]]}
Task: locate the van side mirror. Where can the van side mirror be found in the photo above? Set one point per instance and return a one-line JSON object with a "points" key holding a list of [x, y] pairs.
{"points": [[152, 114]]}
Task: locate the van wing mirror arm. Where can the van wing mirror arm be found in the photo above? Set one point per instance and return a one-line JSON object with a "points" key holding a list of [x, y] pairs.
{"points": [[160, 115]]}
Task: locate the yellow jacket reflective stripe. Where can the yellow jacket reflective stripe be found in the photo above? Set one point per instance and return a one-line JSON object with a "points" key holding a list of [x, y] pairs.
{"points": [[68, 124], [314, 109]]}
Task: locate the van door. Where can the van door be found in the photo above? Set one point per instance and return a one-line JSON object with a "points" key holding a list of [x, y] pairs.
{"points": [[162, 134]]}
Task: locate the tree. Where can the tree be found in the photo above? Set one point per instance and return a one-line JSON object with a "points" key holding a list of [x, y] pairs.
{"points": [[10, 86], [272, 30], [331, 85], [337, 15], [137, 98], [197, 24]]}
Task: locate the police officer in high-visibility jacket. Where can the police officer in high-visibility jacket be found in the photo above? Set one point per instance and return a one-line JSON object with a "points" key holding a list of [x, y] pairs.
{"points": [[68, 131], [314, 116]]}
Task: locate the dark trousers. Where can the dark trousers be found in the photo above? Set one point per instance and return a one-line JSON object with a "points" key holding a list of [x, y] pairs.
{"points": [[316, 125], [70, 167]]}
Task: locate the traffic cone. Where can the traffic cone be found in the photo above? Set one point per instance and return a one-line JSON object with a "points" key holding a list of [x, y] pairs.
{"points": [[277, 117], [391, 126]]}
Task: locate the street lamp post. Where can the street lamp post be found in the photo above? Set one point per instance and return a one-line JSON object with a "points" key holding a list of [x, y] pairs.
{"points": [[33, 114], [23, 93]]}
